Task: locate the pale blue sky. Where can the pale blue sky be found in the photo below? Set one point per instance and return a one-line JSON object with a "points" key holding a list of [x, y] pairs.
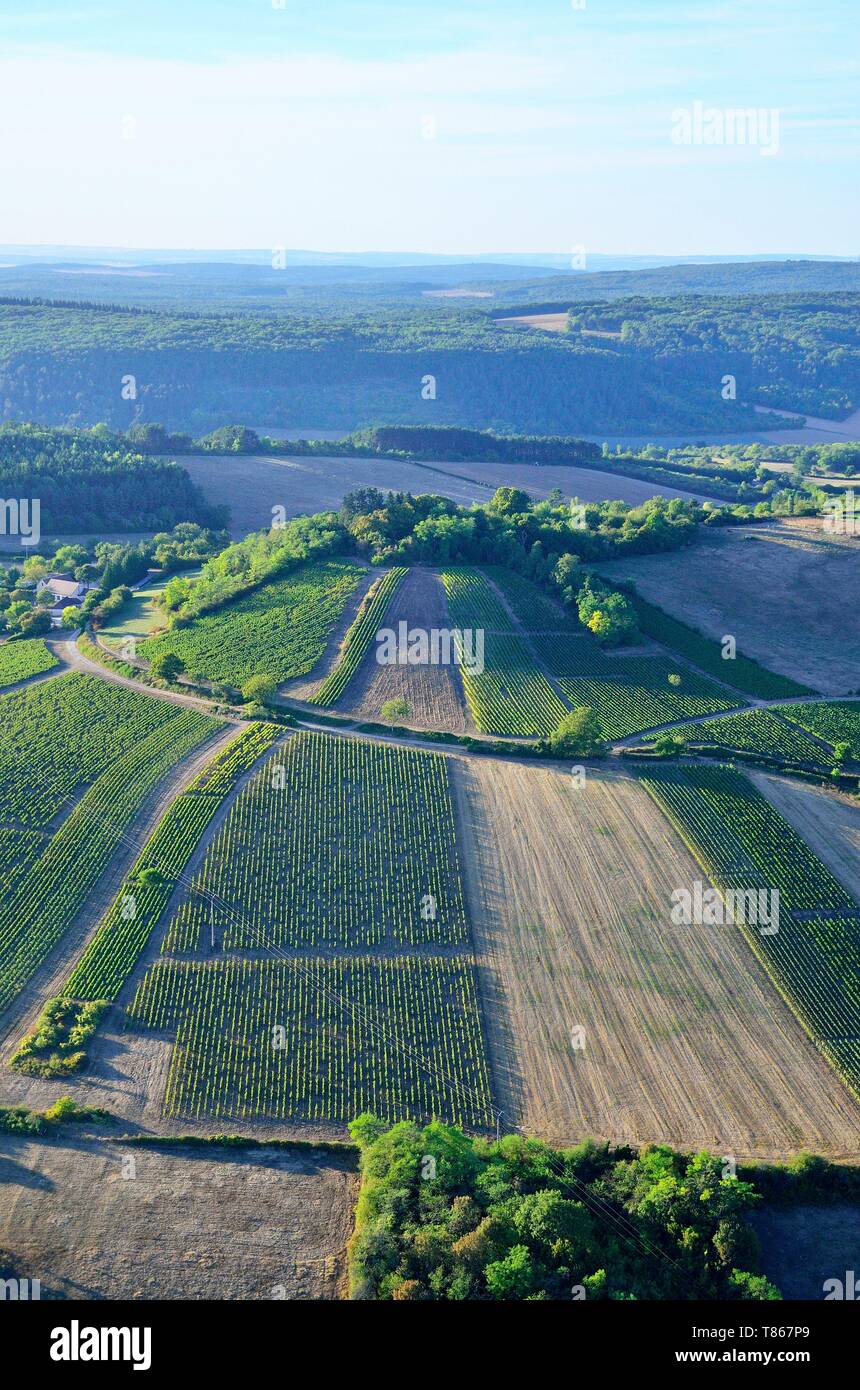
{"points": [[462, 127]]}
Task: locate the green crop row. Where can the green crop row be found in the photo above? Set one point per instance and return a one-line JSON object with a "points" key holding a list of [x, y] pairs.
{"points": [[836, 722], [45, 902], [534, 609], [279, 630], [359, 637], [637, 693], [744, 839], [743, 843], [334, 842], [511, 695], [760, 731], [21, 660], [472, 601], [61, 734], [320, 1040], [115, 949]]}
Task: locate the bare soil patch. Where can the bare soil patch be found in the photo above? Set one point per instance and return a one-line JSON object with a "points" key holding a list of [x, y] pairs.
{"points": [[189, 1224], [686, 1041], [433, 693], [827, 820], [550, 323], [787, 592], [252, 485]]}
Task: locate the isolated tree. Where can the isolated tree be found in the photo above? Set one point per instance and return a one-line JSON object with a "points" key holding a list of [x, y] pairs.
{"points": [[577, 734], [395, 709], [150, 878], [670, 745], [260, 690], [167, 666]]}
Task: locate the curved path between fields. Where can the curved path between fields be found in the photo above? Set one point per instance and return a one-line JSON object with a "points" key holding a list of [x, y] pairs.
{"points": [[72, 658]]}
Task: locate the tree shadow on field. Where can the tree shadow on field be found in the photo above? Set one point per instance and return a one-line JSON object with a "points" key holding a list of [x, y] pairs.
{"points": [[17, 1174]]}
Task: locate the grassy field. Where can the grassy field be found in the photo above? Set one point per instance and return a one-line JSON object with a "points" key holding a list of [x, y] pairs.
{"points": [[704, 652], [279, 630], [141, 613]]}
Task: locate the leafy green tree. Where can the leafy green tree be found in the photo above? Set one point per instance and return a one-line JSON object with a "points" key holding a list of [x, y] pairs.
{"points": [[578, 734], [607, 613], [394, 710], [260, 690], [512, 1277], [150, 878], [69, 558], [36, 623], [167, 666], [510, 501]]}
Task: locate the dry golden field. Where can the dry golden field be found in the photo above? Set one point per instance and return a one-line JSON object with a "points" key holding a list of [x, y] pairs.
{"points": [[685, 1040]]}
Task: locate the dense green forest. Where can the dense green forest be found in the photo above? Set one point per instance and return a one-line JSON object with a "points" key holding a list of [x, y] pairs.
{"points": [[545, 293], [793, 352], [328, 288], [443, 1216], [661, 374], [93, 481]]}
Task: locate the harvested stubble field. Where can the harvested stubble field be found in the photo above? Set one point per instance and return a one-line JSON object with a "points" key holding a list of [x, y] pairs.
{"points": [[190, 1224], [685, 1038], [828, 821], [252, 486], [786, 591], [433, 692]]}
